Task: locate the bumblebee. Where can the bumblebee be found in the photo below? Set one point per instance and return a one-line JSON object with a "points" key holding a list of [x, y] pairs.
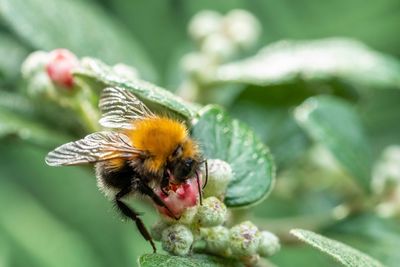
{"points": [[145, 152]]}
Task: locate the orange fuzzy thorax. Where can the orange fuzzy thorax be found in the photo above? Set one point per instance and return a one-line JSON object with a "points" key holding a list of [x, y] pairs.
{"points": [[158, 137]]}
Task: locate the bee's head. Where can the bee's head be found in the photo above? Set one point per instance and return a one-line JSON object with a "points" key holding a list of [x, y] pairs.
{"points": [[184, 169], [183, 162]]}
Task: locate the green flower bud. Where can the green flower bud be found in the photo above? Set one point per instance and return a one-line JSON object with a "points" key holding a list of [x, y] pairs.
{"points": [[250, 260], [242, 28], [218, 46], [217, 240], [177, 239], [212, 213], [269, 244], [219, 176], [188, 215], [244, 239], [157, 230], [34, 63], [199, 67], [205, 23]]}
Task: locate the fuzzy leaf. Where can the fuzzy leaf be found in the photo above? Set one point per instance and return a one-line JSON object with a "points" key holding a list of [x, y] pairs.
{"points": [[197, 260], [95, 70], [335, 124], [228, 139], [344, 254], [80, 26], [335, 58]]}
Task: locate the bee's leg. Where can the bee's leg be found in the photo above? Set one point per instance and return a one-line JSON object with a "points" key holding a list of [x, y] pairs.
{"points": [[164, 184], [134, 216], [206, 169], [199, 188], [145, 189]]}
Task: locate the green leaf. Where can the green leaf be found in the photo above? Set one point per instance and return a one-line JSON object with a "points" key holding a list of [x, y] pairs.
{"points": [[320, 60], [39, 233], [301, 255], [53, 187], [380, 111], [336, 125], [29, 130], [377, 236], [228, 139], [77, 25], [276, 127], [196, 260], [95, 70], [344, 254], [12, 54]]}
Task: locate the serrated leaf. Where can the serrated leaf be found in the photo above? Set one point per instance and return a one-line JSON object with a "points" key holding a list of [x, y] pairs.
{"points": [[334, 123], [12, 54], [196, 260], [334, 58], [228, 139], [80, 26], [96, 70], [344, 254]]}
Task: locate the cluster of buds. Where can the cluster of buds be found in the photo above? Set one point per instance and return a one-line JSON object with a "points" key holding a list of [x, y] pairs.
{"points": [[47, 72], [206, 223], [218, 38], [222, 36]]}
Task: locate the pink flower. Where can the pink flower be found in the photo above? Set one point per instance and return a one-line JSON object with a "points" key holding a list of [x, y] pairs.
{"points": [[60, 65], [179, 198]]}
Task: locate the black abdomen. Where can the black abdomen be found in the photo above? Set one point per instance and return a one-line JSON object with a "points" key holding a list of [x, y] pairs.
{"points": [[116, 178]]}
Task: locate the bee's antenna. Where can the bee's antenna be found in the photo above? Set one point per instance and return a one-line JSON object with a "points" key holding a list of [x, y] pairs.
{"points": [[199, 188], [205, 182]]}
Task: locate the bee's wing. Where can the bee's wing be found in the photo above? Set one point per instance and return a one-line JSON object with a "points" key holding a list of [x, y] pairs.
{"points": [[120, 107], [94, 147]]}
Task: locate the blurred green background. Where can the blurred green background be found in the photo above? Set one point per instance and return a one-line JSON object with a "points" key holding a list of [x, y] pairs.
{"points": [[57, 217]]}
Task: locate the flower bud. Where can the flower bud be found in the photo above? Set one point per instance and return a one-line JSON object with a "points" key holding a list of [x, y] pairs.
{"points": [[188, 215], [34, 64], [251, 260], [212, 213], [60, 65], [386, 172], [217, 240], [179, 198], [218, 46], [242, 27], [244, 239], [269, 244], [199, 66], [204, 24], [219, 176], [157, 230], [177, 239]]}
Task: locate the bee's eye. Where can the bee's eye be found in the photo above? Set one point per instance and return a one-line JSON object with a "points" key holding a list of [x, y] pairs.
{"points": [[184, 169], [188, 162]]}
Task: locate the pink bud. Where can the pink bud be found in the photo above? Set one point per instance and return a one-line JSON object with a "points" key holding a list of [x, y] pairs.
{"points": [[60, 65], [179, 198]]}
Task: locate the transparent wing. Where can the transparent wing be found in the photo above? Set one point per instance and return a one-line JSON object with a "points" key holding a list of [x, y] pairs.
{"points": [[120, 107], [94, 147]]}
